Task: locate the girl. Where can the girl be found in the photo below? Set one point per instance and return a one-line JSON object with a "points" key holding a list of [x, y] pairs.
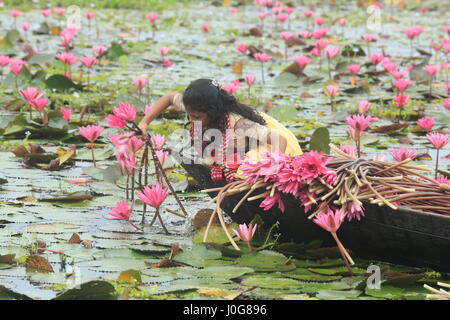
{"points": [[241, 127]]}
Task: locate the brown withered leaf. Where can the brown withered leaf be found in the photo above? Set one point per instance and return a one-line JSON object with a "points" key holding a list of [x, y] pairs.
{"points": [[36, 149], [306, 95], [87, 244], [75, 238], [174, 251], [39, 263], [389, 128], [7, 258], [294, 69], [405, 140], [20, 151], [202, 217], [237, 67], [294, 41], [255, 32], [53, 166]]}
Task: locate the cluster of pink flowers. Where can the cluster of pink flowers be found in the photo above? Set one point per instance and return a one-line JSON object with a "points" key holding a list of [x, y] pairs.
{"points": [[34, 98], [288, 174], [121, 115]]}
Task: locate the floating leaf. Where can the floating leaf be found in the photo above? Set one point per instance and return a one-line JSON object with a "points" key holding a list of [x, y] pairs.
{"points": [[320, 140], [130, 276], [93, 290], [61, 83], [38, 263]]}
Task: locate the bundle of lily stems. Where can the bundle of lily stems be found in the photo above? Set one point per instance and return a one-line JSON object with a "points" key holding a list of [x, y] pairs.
{"points": [[357, 181]]}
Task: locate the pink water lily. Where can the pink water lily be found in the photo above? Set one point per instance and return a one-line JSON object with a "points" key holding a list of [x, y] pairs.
{"points": [[121, 211], [15, 13], [262, 58], [242, 48], [59, 11], [398, 74], [402, 154], [91, 132], [331, 52], [154, 196], [134, 144], [354, 69], [88, 62], [446, 103], [249, 79], [426, 123], [4, 61], [286, 35], [127, 162], [375, 58], [152, 17], [402, 84], [270, 201], [140, 83], [305, 34], [302, 61], [164, 51], [205, 27], [331, 90], [25, 26], [166, 63], [89, 15], [115, 122], [125, 111], [162, 156], [67, 58], [157, 141], [99, 50], [39, 103], [363, 106], [46, 12], [439, 141], [66, 113], [246, 233], [330, 221]]}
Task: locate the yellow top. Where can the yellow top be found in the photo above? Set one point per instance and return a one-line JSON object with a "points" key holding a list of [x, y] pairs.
{"points": [[256, 131]]}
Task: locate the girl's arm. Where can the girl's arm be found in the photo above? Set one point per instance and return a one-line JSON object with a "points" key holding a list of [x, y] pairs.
{"points": [[160, 105]]}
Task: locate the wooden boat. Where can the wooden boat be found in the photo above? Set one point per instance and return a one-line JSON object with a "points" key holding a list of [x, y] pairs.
{"points": [[404, 236]]}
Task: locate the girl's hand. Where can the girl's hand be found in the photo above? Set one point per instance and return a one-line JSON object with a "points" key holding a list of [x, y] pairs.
{"points": [[143, 127]]}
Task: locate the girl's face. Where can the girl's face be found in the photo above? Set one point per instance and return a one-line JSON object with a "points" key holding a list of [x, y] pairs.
{"points": [[197, 116]]}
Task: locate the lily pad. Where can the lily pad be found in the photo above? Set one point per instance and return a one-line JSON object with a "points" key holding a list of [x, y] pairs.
{"points": [[93, 290]]}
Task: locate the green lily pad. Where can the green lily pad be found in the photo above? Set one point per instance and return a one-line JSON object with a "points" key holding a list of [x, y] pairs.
{"points": [[338, 294], [265, 261], [197, 255], [93, 290], [272, 283], [387, 292]]}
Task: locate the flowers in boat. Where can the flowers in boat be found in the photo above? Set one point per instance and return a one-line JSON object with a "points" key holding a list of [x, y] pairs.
{"points": [[288, 174]]}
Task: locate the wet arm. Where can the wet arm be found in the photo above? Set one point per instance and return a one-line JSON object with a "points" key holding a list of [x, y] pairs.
{"points": [[160, 105]]}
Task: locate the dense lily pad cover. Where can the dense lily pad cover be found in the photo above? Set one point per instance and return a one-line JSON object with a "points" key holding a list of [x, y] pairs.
{"points": [[57, 240]]}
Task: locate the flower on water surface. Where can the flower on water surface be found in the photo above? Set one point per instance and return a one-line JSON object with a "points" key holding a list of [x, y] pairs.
{"points": [[121, 211], [91, 133], [153, 196]]}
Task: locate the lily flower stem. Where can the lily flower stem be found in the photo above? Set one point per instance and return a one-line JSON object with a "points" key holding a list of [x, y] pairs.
{"points": [[329, 68], [342, 252], [93, 156], [131, 223], [249, 246], [161, 170], [133, 177], [262, 73], [437, 164], [127, 189], [145, 160]]}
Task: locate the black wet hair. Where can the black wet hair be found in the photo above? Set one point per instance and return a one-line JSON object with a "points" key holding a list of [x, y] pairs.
{"points": [[205, 95]]}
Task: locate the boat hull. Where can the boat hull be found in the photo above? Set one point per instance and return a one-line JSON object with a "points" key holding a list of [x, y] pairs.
{"points": [[404, 236]]}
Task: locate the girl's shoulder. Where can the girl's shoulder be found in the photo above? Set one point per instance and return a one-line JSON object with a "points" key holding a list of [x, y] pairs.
{"points": [[178, 101]]}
